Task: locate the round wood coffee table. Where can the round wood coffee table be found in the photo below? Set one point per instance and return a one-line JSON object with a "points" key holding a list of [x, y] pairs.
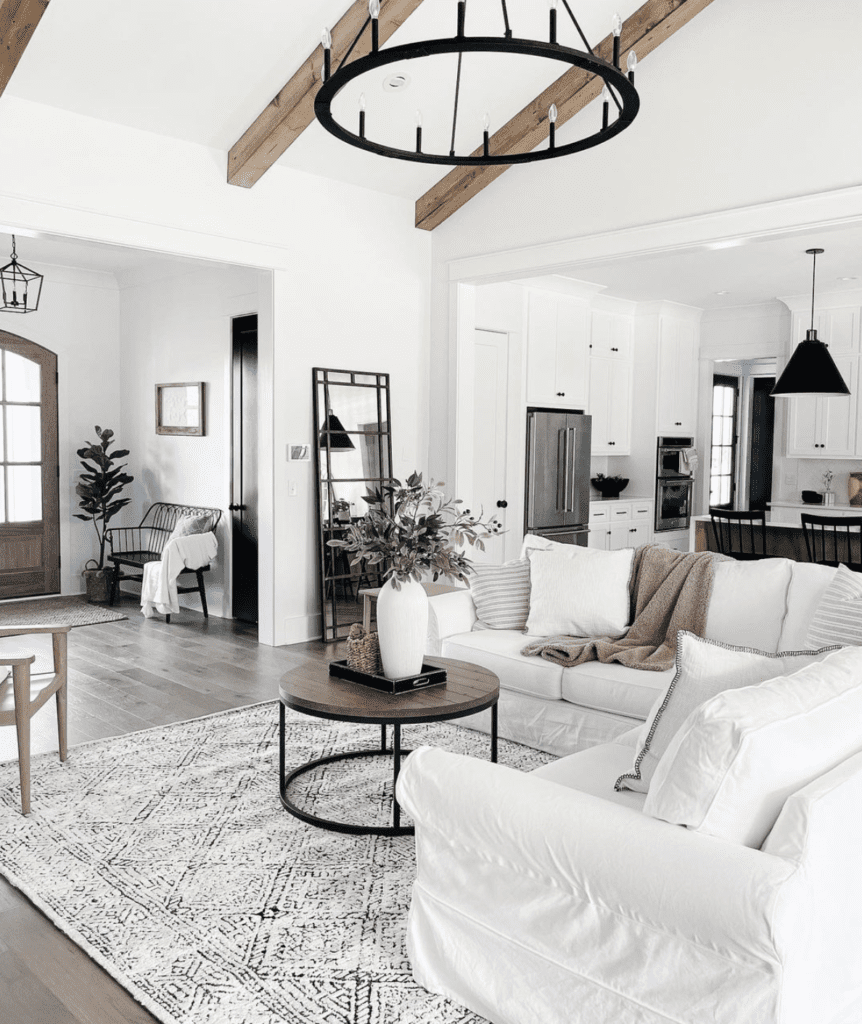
{"points": [[313, 691]]}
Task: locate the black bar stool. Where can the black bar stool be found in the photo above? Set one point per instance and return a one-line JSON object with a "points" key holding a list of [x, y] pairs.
{"points": [[833, 540], [739, 534]]}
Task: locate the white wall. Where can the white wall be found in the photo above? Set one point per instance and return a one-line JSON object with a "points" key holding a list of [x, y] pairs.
{"points": [[78, 319], [175, 326], [349, 290], [727, 119]]}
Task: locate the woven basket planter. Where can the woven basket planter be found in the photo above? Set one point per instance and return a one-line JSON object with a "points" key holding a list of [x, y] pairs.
{"points": [[363, 650]]}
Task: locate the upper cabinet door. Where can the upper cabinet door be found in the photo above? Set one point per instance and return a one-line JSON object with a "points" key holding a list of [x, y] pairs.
{"points": [[557, 351], [677, 377], [838, 416], [611, 335]]}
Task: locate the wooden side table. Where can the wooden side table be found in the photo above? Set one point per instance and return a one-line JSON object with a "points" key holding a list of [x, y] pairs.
{"points": [[313, 691]]}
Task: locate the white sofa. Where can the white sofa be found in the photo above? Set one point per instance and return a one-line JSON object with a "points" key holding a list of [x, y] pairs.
{"points": [[550, 898], [765, 604]]}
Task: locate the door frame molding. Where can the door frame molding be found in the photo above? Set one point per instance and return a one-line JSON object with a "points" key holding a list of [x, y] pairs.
{"points": [[50, 436]]}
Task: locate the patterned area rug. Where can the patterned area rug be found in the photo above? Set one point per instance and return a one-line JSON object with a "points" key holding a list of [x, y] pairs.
{"points": [[167, 856], [62, 611]]}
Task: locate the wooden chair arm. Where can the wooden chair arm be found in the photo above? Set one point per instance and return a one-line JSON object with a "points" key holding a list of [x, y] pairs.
{"points": [[20, 658], [24, 630]]}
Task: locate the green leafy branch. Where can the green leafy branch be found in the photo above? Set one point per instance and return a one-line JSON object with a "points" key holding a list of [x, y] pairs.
{"points": [[412, 529]]}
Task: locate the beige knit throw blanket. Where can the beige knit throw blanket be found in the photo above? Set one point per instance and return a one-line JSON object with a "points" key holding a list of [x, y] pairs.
{"points": [[670, 592]]}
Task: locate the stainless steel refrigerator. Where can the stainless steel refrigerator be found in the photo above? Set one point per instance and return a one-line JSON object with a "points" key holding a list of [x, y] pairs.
{"points": [[558, 475]]}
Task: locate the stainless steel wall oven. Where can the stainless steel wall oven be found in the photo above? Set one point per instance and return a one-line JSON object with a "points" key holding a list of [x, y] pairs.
{"points": [[676, 461]]}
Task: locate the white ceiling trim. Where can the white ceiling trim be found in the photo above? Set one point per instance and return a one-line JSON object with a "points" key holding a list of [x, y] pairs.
{"points": [[726, 228]]}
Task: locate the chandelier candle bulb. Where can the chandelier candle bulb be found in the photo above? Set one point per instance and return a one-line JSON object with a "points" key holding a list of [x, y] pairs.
{"points": [[326, 40], [362, 116], [374, 14], [552, 125], [631, 64], [617, 29], [486, 135], [418, 131], [606, 107]]}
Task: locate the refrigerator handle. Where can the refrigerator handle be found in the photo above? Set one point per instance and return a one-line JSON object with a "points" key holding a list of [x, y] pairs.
{"points": [[531, 496], [567, 481], [570, 472], [561, 462]]}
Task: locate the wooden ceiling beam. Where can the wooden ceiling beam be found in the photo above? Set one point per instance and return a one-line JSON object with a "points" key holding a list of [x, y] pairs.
{"points": [[292, 111], [646, 29], [18, 21]]}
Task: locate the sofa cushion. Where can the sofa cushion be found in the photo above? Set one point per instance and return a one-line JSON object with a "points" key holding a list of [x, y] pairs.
{"points": [[807, 583], [704, 668], [579, 592], [736, 760], [749, 603], [501, 594], [594, 771], [500, 651], [837, 618], [614, 688]]}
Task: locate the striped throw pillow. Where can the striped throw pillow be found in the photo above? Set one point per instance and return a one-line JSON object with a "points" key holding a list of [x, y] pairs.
{"points": [[838, 617], [501, 594]]}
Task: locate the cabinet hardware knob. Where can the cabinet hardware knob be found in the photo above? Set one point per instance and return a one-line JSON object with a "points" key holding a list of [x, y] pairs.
{"points": [[503, 504], [237, 508]]}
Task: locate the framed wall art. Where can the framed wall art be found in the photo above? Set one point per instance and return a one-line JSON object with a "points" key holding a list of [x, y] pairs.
{"points": [[180, 409]]}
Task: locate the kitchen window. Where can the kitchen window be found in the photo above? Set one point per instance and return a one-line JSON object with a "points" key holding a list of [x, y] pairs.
{"points": [[722, 464]]}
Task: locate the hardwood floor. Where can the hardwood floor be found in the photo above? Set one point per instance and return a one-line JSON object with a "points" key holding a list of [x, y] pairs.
{"points": [[124, 676]]}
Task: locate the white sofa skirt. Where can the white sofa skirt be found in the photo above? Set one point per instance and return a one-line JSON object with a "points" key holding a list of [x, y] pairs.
{"points": [[556, 726]]}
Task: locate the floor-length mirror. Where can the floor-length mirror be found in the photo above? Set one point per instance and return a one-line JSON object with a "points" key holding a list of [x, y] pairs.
{"points": [[353, 453]]}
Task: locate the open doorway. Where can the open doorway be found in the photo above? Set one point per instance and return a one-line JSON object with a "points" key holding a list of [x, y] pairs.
{"points": [[742, 434]]}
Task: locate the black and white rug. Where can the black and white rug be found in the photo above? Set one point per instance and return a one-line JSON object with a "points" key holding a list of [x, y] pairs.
{"points": [[167, 856]]}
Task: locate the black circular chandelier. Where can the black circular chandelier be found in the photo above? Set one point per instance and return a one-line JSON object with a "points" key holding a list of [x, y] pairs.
{"points": [[618, 89]]}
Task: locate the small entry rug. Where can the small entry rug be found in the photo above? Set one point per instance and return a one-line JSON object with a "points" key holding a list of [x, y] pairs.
{"points": [[167, 856], [60, 611]]}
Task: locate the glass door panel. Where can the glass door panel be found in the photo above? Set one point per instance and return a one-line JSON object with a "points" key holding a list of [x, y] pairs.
{"points": [[29, 485]]}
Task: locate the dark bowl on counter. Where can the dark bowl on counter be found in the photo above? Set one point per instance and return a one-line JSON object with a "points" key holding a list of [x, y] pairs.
{"points": [[610, 488]]}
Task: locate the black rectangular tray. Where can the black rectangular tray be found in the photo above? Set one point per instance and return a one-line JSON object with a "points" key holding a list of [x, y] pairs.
{"points": [[429, 676]]}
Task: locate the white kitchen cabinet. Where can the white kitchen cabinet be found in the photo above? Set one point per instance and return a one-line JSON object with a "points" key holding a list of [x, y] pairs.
{"points": [[676, 411], [610, 405], [558, 351], [825, 428], [620, 524], [611, 335]]}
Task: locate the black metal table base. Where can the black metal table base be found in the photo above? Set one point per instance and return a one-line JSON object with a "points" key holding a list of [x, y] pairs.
{"points": [[396, 828]]}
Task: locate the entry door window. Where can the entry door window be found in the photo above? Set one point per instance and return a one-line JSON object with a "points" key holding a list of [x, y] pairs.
{"points": [[21, 432], [722, 465], [29, 470]]}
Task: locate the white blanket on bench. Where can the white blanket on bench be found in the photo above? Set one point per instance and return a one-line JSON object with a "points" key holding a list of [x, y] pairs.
{"points": [[159, 587]]}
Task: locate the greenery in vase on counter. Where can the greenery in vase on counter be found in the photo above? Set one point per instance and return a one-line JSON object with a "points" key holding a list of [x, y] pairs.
{"points": [[416, 529]]}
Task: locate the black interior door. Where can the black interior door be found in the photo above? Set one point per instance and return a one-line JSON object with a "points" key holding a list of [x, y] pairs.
{"points": [[762, 432], [244, 496]]}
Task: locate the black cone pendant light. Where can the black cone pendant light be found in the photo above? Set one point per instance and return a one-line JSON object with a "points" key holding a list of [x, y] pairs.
{"points": [[811, 371]]}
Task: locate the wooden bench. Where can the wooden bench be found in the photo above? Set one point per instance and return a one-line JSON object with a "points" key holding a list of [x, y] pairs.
{"points": [[134, 546]]}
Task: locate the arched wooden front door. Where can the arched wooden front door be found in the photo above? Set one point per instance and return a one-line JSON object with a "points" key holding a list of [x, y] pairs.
{"points": [[29, 486]]}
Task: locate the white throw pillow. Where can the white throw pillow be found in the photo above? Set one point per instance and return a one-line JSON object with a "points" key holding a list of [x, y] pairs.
{"points": [[838, 616], [501, 594], [578, 591], [188, 525], [533, 542], [729, 769], [748, 603], [704, 668]]}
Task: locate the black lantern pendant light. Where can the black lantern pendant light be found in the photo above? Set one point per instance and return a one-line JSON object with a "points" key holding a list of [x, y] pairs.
{"points": [[811, 371], [21, 287], [617, 88]]}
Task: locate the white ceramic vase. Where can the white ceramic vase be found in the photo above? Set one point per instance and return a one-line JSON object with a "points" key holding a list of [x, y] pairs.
{"points": [[402, 626]]}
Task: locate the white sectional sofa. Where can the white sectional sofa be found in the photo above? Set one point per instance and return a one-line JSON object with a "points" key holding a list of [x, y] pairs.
{"points": [[550, 898], [765, 604]]}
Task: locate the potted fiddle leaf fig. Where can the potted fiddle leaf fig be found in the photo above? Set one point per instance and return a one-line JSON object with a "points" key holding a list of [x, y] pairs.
{"points": [[411, 529], [99, 491]]}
